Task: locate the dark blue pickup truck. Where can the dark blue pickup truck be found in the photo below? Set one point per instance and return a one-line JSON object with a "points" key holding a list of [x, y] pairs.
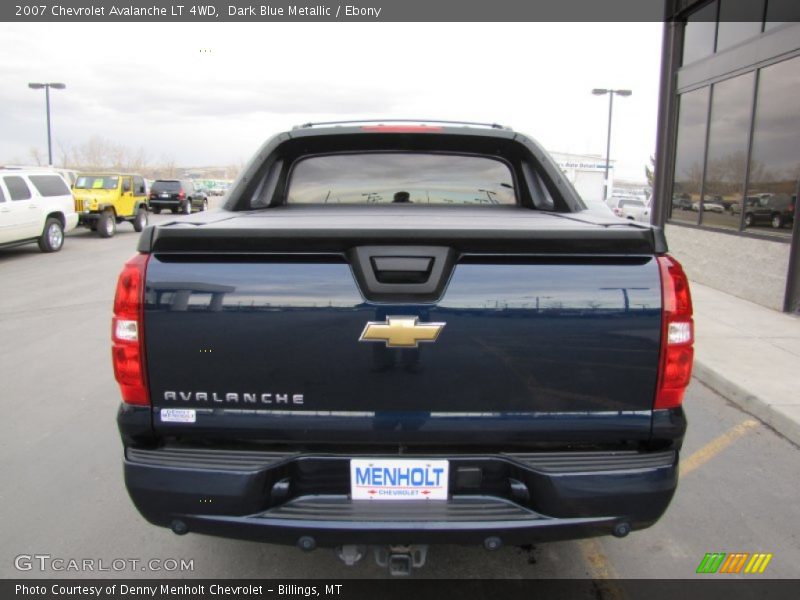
{"points": [[401, 334]]}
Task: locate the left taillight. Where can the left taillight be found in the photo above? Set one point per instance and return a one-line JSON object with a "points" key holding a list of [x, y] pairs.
{"points": [[127, 336], [677, 335]]}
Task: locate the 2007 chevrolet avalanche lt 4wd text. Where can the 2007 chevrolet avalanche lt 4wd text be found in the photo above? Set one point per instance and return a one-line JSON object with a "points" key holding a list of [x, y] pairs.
{"points": [[402, 334]]}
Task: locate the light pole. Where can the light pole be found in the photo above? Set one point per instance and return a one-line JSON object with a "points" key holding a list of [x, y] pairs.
{"points": [[47, 86], [601, 92]]}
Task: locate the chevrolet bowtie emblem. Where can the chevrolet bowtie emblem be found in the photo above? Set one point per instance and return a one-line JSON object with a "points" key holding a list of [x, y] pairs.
{"points": [[401, 332]]}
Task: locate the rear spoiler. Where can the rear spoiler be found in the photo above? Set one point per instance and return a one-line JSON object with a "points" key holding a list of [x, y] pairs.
{"points": [[314, 230]]}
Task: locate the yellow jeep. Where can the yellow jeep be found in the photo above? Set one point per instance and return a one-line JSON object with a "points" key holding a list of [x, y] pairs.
{"points": [[104, 199]]}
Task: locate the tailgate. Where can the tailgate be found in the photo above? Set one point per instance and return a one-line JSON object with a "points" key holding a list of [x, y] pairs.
{"points": [[312, 347]]}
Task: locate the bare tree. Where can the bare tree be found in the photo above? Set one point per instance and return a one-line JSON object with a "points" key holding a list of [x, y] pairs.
{"points": [[36, 156]]}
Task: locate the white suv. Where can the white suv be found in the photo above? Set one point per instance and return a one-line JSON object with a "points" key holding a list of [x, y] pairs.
{"points": [[36, 205], [630, 207]]}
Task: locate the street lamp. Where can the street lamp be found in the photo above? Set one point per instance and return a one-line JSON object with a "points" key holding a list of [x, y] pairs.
{"points": [[47, 86], [602, 92]]}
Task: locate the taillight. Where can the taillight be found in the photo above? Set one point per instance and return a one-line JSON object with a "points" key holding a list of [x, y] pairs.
{"points": [[182, 195], [677, 335], [127, 350]]}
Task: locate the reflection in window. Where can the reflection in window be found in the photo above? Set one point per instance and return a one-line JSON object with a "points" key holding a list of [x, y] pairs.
{"points": [[781, 11], [401, 178], [738, 21], [775, 158], [731, 108], [692, 116], [698, 36]]}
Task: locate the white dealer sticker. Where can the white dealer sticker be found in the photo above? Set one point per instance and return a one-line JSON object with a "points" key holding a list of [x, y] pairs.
{"points": [[398, 479], [178, 415]]}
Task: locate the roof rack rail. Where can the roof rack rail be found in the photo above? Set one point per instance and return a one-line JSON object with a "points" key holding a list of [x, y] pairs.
{"points": [[415, 121]]}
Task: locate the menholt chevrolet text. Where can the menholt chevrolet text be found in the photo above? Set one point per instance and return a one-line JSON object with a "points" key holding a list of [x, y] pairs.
{"points": [[163, 589], [398, 334]]}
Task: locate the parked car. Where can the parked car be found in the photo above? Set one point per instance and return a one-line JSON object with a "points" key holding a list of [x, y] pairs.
{"points": [[682, 201], [776, 210], [104, 200], [709, 206], [69, 175], [384, 371], [36, 205], [178, 195], [628, 207]]}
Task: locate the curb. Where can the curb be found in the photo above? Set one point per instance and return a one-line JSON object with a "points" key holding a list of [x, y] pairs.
{"points": [[747, 401]]}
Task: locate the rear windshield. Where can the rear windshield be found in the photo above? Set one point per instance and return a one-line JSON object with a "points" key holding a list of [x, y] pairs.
{"points": [[401, 178], [631, 203], [166, 186], [92, 182]]}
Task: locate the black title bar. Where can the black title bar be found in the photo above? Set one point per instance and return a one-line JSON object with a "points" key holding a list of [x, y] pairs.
{"points": [[333, 11]]}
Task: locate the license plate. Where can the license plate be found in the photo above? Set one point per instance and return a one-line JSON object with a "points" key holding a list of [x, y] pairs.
{"points": [[398, 479], [164, 195]]}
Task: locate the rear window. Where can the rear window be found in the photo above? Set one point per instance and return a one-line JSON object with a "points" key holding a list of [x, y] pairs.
{"points": [[638, 203], [166, 186], [50, 185], [401, 178]]}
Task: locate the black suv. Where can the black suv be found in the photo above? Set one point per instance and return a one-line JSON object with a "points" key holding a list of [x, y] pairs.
{"points": [[776, 210], [179, 195]]}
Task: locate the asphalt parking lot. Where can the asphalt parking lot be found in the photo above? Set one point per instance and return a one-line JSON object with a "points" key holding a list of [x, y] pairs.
{"points": [[63, 493]]}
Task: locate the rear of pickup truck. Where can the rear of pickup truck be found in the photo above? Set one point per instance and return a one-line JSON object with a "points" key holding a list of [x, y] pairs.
{"points": [[398, 336]]}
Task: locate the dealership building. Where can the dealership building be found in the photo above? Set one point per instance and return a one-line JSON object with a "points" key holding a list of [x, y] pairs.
{"points": [[728, 156], [586, 172]]}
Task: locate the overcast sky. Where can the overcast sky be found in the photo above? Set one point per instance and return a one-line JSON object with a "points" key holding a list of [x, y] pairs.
{"points": [[209, 94]]}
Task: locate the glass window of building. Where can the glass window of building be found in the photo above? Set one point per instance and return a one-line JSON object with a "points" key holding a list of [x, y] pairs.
{"points": [[781, 11], [726, 163], [699, 34], [738, 21], [775, 157], [688, 177]]}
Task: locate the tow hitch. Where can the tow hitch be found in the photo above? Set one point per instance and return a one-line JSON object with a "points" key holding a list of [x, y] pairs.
{"points": [[400, 560]]}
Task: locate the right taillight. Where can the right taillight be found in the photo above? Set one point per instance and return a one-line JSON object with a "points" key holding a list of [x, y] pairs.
{"points": [[677, 335], [127, 351]]}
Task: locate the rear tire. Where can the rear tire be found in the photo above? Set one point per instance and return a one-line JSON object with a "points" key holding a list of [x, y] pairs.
{"points": [[52, 238], [106, 225], [205, 205], [777, 221], [140, 220], [156, 210], [187, 207]]}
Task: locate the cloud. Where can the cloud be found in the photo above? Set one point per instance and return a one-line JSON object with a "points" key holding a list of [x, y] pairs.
{"points": [[206, 93]]}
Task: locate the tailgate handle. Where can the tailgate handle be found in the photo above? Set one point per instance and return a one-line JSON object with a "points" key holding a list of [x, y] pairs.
{"points": [[402, 269], [402, 273]]}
